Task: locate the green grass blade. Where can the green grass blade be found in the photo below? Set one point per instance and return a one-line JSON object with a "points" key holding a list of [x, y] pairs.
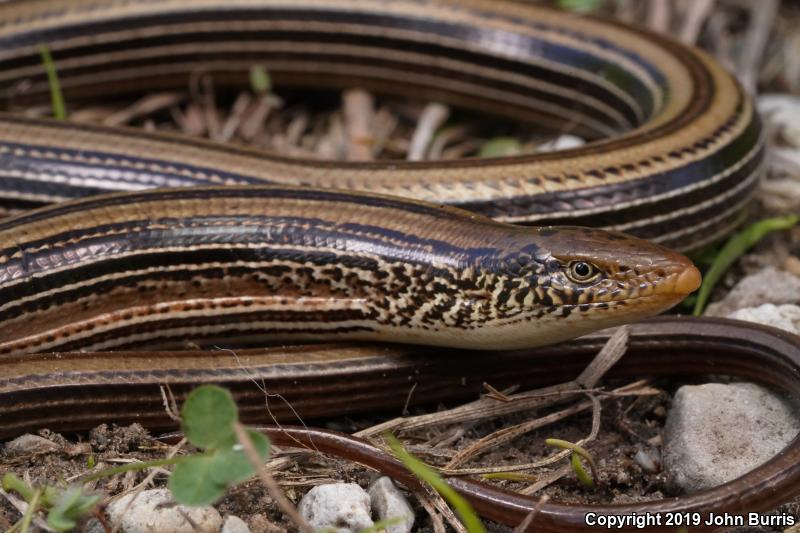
{"points": [[423, 472], [737, 245], [500, 147], [260, 80], [583, 476], [577, 466], [56, 97], [130, 467], [33, 506], [12, 482], [580, 6]]}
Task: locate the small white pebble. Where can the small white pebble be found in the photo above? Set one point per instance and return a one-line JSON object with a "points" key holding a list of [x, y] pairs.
{"points": [[388, 503], [648, 459], [234, 524], [342, 507], [154, 511], [786, 317], [769, 285], [622, 478]]}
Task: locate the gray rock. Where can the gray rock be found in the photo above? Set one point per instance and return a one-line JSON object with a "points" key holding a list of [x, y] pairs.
{"points": [[388, 503], [770, 285], [786, 317], [715, 433], [234, 524], [154, 511], [28, 444], [343, 507]]}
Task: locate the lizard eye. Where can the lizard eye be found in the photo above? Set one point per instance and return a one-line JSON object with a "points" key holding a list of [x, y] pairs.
{"points": [[582, 272]]}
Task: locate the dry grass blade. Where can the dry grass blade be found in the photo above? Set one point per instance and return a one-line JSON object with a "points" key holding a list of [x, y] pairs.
{"points": [[525, 524], [659, 15], [510, 433], [191, 121], [495, 394], [383, 127], [431, 119], [429, 506], [254, 120], [763, 15], [610, 353], [696, 14], [145, 106], [208, 104], [547, 480], [483, 409], [359, 114], [436, 506], [446, 512], [449, 135], [566, 469], [268, 481], [608, 356], [790, 66], [631, 389], [235, 117]]}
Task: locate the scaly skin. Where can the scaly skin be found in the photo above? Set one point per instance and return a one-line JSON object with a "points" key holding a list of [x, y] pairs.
{"points": [[248, 265]]}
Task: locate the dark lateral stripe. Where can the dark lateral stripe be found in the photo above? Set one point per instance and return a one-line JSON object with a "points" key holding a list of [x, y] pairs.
{"points": [[265, 256], [651, 209], [28, 189], [236, 327], [328, 196], [69, 164], [131, 270], [128, 236], [708, 233], [693, 220], [268, 259], [610, 196]]}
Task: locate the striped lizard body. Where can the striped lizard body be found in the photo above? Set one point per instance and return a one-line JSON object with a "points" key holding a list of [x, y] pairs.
{"points": [[262, 263], [677, 150]]}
